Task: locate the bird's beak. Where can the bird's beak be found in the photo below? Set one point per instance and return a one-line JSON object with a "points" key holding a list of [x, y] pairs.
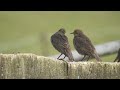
{"points": [[72, 33]]}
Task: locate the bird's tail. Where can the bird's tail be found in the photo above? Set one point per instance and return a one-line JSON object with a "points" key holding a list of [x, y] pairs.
{"points": [[97, 56], [70, 55]]}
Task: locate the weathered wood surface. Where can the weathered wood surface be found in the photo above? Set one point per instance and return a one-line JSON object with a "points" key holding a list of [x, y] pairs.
{"points": [[94, 70], [30, 66]]}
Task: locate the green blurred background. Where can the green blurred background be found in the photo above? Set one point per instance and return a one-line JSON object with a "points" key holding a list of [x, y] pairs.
{"points": [[30, 31]]}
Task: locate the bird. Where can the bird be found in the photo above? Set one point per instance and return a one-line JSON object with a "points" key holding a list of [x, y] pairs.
{"points": [[118, 56], [83, 45], [60, 42]]}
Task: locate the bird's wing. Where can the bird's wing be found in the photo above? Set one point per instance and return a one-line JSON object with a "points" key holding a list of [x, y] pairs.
{"points": [[84, 44], [63, 40], [60, 42]]}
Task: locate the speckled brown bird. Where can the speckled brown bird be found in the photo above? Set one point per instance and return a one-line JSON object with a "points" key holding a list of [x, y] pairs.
{"points": [[60, 43], [83, 45], [117, 59]]}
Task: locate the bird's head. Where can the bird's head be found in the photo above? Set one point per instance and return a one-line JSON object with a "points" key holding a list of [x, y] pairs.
{"points": [[62, 30], [77, 32]]}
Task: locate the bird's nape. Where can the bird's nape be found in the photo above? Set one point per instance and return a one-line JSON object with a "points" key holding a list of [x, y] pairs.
{"points": [[62, 30]]}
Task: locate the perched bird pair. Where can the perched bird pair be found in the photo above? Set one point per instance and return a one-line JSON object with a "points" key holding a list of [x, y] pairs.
{"points": [[81, 43]]}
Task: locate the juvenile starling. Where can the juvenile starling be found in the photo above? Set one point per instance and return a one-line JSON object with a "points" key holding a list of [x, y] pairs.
{"points": [[60, 43], [84, 46], [118, 56]]}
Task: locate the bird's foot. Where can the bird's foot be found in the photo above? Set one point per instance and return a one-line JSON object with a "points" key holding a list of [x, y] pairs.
{"points": [[60, 59], [63, 60]]}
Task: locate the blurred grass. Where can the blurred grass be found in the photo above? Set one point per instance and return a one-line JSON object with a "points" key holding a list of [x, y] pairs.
{"points": [[29, 32]]}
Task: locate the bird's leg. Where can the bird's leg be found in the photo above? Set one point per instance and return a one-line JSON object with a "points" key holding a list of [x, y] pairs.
{"points": [[83, 58], [118, 60], [59, 56], [88, 58], [62, 58], [115, 60]]}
